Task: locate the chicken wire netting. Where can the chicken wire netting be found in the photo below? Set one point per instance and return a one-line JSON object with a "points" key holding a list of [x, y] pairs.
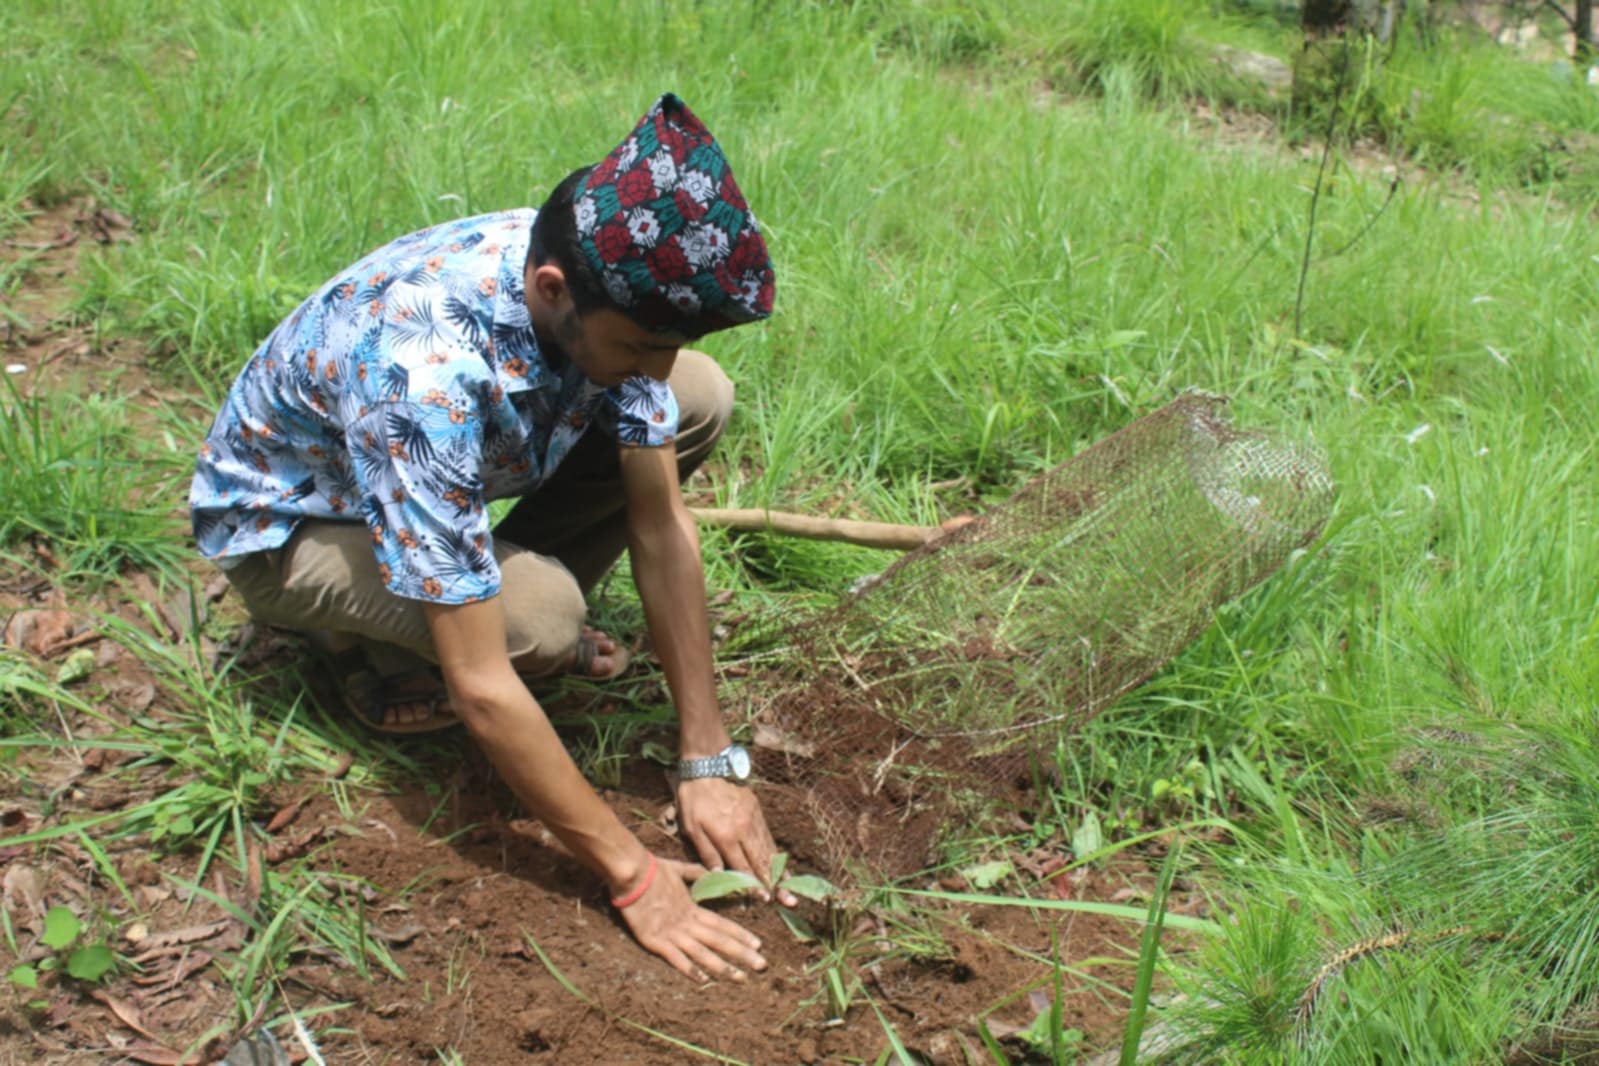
{"points": [[909, 712]]}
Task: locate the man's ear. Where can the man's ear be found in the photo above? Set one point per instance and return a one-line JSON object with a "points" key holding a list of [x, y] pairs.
{"points": [[547, 289]]}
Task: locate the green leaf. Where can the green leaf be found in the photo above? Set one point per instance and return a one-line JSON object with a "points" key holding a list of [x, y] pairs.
{"points": [[24, 976], [657, 752], [720, 883], [61, 927], [78, 665], [797, 925], [90, 963], [816, 889], [1090, 835], [779, 864], [988, 874]]}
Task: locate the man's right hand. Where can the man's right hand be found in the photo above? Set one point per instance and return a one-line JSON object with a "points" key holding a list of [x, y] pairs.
{"points": [[698, 943]]}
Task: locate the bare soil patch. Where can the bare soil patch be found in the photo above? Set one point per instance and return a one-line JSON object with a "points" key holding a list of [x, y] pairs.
{"points": [[459, 893]]}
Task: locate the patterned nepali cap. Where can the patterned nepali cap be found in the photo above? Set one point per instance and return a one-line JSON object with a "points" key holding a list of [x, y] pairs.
{"points": [[664, 225]]}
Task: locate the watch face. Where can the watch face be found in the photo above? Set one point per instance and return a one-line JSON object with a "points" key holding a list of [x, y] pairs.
{"points": [[738, 761]]}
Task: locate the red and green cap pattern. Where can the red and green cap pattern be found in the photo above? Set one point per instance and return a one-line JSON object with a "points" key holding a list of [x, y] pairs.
{"points": [[666, 228]]}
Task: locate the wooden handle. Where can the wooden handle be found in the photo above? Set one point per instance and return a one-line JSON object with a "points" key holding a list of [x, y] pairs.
{"points": [[864, 534]]}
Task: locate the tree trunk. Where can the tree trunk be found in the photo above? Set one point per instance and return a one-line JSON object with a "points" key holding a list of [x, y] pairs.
{"points": [[1325, 18], [1332, 28], [1584, 51]]}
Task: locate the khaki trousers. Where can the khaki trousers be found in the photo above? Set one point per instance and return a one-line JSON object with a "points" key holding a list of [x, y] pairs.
{"points": [[552, 548]]}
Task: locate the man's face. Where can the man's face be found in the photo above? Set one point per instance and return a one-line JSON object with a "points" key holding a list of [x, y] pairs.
{"points": [[606, 345], [609, 347]]}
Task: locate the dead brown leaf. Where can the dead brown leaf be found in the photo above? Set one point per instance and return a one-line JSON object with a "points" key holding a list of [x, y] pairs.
{"points": [[160, 943], [133, 697], [403, 934], [21, 883], [771, 738], [186, 966], [110, 227], [156, 1055], [286, 816], [126, 1014], [296, 844], [216, 588], [40, 632]]}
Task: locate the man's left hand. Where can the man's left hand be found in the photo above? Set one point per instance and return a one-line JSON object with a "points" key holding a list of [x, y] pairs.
{"points": [[724, 822]]}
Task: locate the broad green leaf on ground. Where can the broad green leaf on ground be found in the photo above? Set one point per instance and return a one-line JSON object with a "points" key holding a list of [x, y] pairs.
{"points": [[61, 928], [90, 963], [720, 883], [24, 976], [816, 889], [1089, 837], [76, 667], [988, 874], [797, 925]]}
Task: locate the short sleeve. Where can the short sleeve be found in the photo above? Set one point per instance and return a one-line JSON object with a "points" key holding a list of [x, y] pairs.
{"points": [[640, 412], [417, 463]]}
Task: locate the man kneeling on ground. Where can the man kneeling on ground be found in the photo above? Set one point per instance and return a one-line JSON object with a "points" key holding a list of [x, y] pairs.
{"points": [[526, 354]]}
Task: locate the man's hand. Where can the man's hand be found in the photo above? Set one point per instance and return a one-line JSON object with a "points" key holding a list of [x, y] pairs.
{"points": [[697, 942], [724, 823]]}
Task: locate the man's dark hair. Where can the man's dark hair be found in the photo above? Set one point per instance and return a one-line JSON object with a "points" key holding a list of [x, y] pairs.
{"points": [[554, 240]]}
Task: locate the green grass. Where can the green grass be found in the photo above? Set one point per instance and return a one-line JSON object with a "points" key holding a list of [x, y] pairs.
{"points": [[978, 278]]}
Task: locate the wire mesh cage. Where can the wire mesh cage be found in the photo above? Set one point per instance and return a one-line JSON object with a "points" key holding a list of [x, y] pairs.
{"points": [[906, 711]]}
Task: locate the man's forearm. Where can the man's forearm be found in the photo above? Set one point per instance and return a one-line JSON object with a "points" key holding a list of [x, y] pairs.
{"points": [[665, 556], [519, 740]]}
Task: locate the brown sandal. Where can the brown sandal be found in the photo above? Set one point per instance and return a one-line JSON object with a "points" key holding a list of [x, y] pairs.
{"points": [[370, 696]]}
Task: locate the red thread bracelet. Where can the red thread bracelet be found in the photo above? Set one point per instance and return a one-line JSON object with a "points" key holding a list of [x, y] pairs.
{"points": [[623, 902]]}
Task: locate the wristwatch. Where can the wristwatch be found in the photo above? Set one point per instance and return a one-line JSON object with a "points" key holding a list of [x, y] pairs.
{"points": [[732, 762]]}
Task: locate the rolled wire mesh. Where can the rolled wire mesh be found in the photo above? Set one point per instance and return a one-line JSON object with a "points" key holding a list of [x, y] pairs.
{"points": [[922, 696]]}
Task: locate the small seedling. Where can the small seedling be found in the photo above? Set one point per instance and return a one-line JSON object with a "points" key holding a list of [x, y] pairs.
{"points": [[719, 884], [88, 962], [722, 883]]}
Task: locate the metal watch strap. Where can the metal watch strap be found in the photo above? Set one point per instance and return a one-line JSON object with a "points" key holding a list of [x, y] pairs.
{"points": [[709, 766]]}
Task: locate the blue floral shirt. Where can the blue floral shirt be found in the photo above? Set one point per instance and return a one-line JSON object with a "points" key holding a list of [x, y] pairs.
{"points": [[406, 393]]}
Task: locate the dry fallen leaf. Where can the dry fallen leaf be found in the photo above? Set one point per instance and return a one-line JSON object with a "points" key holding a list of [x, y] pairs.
{"points": [[286, 816], [156, 1055], [22, 883], [133, 697], [126, 1014], [401, 935], [160, 942], [342, 767], [771, 738], [296, 844], [187, 965], [40, 632]]}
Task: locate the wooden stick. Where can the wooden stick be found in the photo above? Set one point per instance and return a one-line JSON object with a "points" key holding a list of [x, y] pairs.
{"points": [[865, 534]]}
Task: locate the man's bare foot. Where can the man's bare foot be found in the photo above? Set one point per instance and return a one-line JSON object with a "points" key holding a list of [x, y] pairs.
{"points": [[598, 657]]}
